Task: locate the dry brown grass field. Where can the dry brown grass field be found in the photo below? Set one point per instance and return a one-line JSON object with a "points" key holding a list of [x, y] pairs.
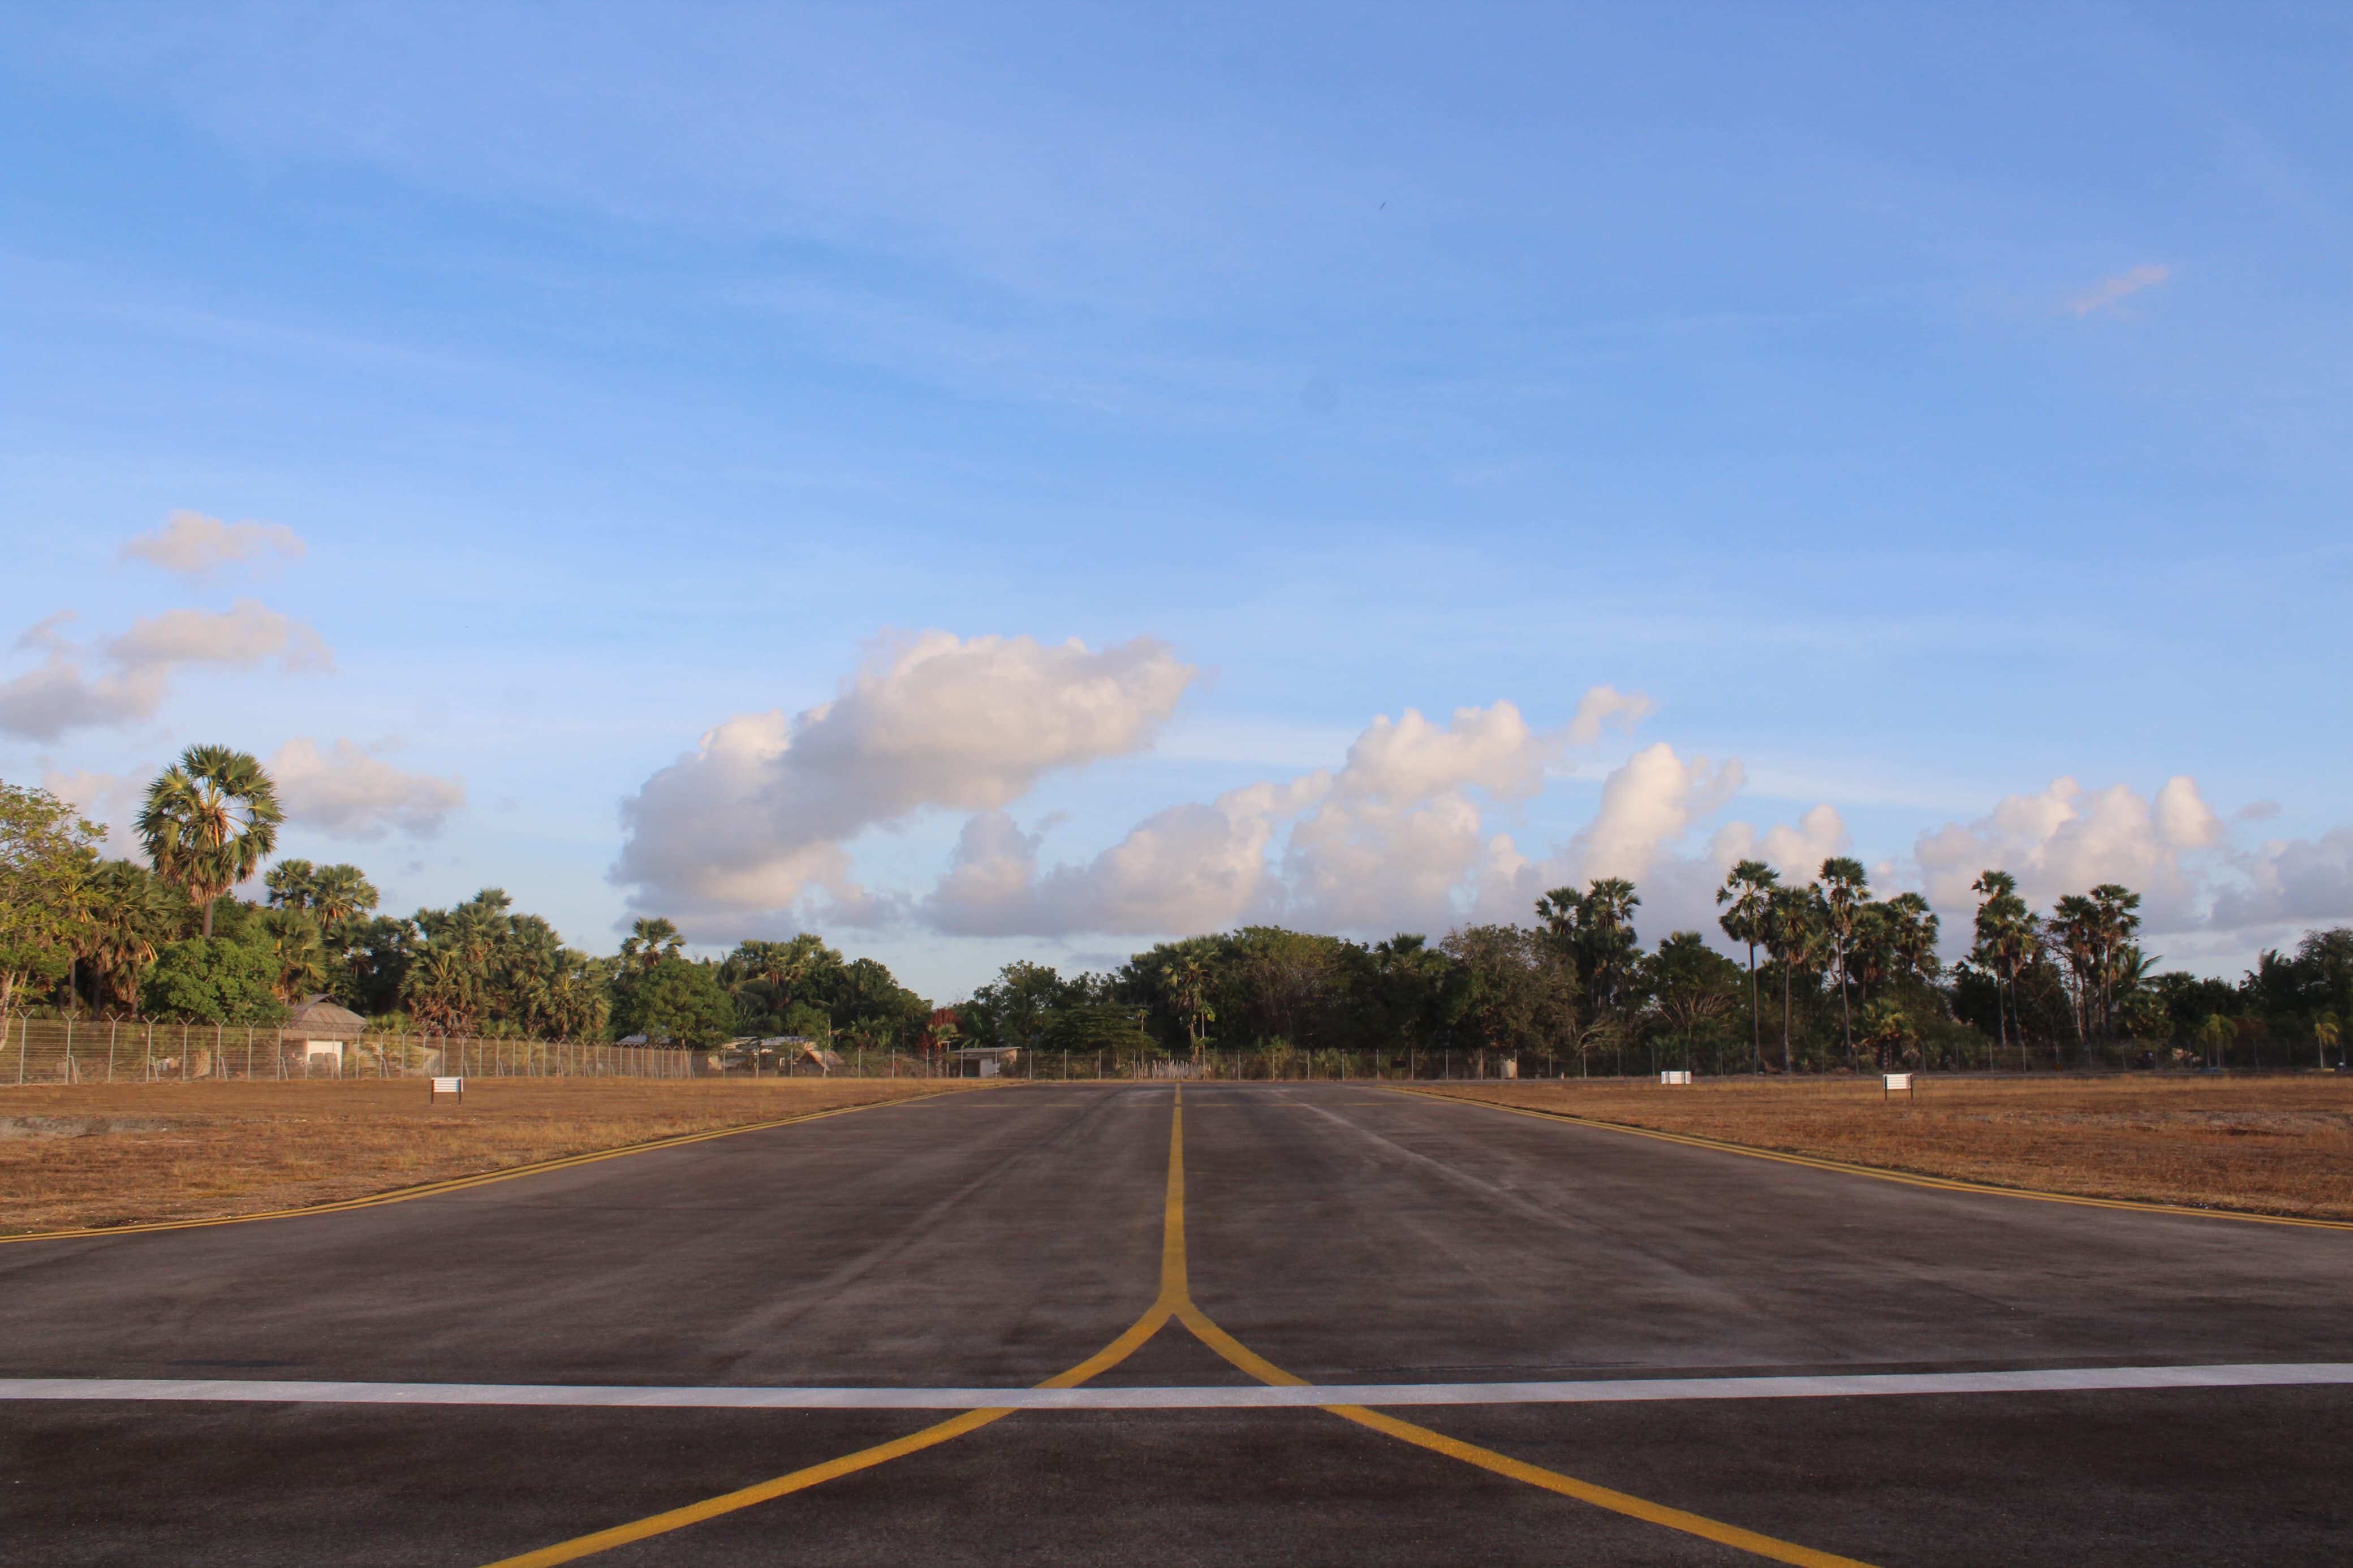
{"points": [[121, 1153], [2264, 1145]]}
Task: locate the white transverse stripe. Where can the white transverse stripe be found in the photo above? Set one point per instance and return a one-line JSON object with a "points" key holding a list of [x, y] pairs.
{"points": [[1604, 1391]]}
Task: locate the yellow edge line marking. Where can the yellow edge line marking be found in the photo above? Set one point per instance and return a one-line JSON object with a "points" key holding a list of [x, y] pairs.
{"points": [[1879, 1173], [1632, 1507], [1156, 1317], [1174, 1276], [458, 1184]]}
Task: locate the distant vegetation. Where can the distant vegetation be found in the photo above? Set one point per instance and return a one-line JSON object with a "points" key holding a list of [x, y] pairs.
{"points": [[1829, 977]]}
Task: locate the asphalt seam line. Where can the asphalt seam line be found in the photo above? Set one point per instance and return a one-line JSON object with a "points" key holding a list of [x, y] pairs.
{"points": [[459, 1183], [1879, 1173]]}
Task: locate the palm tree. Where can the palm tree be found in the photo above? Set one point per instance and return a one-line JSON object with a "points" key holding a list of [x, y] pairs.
{"points": [[1888, 1032], [1912, 936], [1791, 936], [339, 893], [2216, 1033], [2006, 933], [1687, 1009], [1606, 936], [1844, 882], [293, 938], [651, 939], [2021, 942], [1187, 982], [1872, 951], [290, 884], [130, 916], [2075, 936], [440, 990], [1749, 890], [2115, 923], [2325, 1034], [209, 822]]}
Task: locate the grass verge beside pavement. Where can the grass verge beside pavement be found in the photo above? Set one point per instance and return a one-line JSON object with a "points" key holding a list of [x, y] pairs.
{"points": [[74, 1156], [2278, 1145]]}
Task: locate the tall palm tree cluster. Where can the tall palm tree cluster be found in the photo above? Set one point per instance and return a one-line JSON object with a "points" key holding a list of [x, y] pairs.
{"points": [[2077, 977], [2081, 957], [1833, 931], [480, 968]]}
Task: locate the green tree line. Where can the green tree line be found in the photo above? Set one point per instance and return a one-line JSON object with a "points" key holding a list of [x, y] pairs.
{"points": [[1829, 977], [169, 938]]}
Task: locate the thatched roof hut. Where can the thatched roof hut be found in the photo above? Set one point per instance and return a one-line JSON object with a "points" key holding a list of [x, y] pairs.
{"points": [[318, 1019]]}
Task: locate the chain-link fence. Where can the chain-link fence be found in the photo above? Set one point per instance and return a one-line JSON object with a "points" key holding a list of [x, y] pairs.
{"points": [[46, 1050], [52, 1051], [1278, 1066]]}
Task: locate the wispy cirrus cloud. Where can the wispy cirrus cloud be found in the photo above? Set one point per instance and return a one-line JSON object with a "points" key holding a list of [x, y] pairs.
{"points": [[2114, 290]]}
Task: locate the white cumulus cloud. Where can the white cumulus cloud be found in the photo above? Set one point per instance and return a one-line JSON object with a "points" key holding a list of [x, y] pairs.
{"points": [[2307, 880], [194, 545], [1648, 804], [353, 792], [1402, 828], [2064, 839], [1189, 868], [758, 813], [1395, 838], [1796, 850]]}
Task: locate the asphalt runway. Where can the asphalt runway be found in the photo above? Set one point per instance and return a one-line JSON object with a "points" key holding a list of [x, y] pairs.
{"points": [[1334, 1234]]}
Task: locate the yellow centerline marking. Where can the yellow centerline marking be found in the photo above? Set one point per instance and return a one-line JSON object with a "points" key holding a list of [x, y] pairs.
{"points": [[1879, 1173], [1156, 1317], [459, 1183], [1176, 1301]]}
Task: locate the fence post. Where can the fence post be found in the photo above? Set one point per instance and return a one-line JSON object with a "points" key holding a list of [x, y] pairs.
{"points": [[22, 1027]]}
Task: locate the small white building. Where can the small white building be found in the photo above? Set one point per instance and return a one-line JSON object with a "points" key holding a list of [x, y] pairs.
{"points": [[984, 1061], [318, 1032]]}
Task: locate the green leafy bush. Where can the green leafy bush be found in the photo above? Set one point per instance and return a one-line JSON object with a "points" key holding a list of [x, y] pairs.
{"points": [[212, 979]]}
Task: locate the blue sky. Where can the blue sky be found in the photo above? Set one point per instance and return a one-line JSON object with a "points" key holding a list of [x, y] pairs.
{"points": [[1915, 409]]}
